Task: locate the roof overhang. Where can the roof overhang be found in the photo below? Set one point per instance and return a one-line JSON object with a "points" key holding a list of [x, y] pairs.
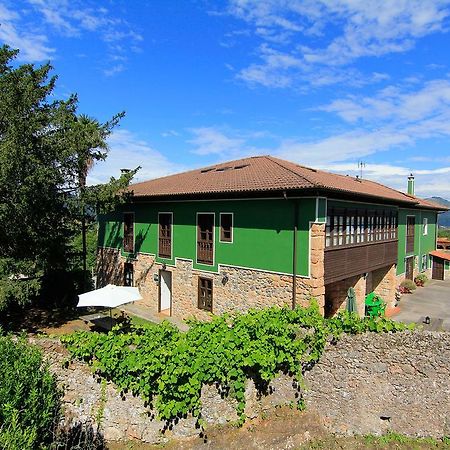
{"points": [[441, 254]]}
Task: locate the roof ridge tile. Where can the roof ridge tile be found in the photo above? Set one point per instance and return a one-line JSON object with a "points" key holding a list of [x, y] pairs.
{"points": [[280, 161]]}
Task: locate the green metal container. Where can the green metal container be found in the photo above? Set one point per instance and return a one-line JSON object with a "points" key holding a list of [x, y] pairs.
{"points": [[375, 305]]}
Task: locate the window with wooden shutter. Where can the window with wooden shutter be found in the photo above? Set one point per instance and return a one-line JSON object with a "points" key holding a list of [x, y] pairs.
{"points": [[205, 238], [205, 294], [410, 224], [226, 227], [128, 232], [165, 235]]}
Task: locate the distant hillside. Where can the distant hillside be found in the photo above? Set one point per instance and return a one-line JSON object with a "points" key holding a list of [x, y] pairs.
{"points": [[444, 218]]}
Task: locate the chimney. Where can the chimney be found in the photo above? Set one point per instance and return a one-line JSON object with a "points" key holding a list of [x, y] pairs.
{"points": [[411, 184]]}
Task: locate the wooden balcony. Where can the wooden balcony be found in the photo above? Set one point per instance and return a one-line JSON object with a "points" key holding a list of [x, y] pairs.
{"points": [[128, 243], [345, 262], [165, 248], [205, 252]]}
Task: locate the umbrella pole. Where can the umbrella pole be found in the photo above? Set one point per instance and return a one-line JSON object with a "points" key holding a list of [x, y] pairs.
{"points": [[110, 317]]}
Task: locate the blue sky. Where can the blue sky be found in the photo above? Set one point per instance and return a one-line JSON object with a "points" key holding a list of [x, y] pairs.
{"points": [[322, 83]]}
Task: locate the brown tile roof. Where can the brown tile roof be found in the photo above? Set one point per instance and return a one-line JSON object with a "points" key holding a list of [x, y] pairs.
{"points": [[429, 204], [441, 254], [264, 174]]}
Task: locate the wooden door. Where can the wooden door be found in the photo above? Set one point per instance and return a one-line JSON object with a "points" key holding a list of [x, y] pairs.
{"points": [[409, 262], [438, 269]]}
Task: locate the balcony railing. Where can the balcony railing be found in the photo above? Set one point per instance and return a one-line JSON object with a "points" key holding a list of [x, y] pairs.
{"points": [[165, 247], [128, 243], [341, 263], [205, 252]]}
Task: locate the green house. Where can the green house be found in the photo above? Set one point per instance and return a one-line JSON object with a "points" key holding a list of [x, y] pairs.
{"points": [[262, 231]]}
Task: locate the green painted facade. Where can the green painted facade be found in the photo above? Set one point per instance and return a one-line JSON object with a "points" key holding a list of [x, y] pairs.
{"points": [[263, 232], [423, 243]]}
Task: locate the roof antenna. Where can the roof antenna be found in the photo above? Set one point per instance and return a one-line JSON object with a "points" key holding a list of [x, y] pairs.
{"points": [[361, 165]]}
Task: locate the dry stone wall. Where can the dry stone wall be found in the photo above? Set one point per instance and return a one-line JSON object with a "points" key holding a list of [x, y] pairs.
{"points": [[373, 383], [369, 383]]}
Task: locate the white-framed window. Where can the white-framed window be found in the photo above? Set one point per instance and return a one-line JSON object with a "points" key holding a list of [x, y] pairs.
{"points": [[226, 227], [425, 226]]}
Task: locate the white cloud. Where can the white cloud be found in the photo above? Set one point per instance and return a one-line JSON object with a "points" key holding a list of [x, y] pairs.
{"points": [[391, 120], [429, 182], [128, 151], [342, 147], [170, 133], [209, 140], [339, 153], [29, 29], [360, 28], [33, 45], [113, 70], [430, 101]]}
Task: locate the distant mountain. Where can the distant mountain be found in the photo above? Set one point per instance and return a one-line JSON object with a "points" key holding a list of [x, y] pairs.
{"points": [[444, 218]]}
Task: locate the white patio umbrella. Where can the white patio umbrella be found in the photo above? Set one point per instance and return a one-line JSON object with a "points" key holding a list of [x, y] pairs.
{"points": [[109, 296]]}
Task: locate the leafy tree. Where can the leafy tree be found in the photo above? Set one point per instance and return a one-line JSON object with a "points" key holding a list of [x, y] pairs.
{"points": [[46, 150], [30, 400]]}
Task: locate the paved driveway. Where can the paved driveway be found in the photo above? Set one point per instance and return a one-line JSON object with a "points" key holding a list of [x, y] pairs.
{"points": [[433, 300]]}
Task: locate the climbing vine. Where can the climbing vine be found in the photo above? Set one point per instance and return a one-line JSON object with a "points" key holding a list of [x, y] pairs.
{"points": [[167, 368]]}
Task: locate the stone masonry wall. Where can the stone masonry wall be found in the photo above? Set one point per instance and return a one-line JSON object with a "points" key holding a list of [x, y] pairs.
{"points": [[371, 383], [245, 288], [109, 267], [384, 284], [401, 277], [381, 281], [336, 295]]}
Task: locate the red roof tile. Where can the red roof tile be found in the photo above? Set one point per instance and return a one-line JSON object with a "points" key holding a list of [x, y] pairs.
{"points": [[265, 174], [441, 254]]}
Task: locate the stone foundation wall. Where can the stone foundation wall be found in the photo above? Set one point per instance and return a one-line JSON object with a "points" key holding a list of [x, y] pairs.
{"points": [[400, 278], [381, 281], [371, 383], [336, 295], [245, 288], [109, 267], [384, 284]]}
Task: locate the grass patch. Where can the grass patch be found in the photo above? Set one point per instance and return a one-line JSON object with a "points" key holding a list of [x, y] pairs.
{"points": [[388, 441]]}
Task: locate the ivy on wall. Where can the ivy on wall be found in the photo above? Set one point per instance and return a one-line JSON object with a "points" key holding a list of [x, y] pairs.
{"points": [[167, 368]]}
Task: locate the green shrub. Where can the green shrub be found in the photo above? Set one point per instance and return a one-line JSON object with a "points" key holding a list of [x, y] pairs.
{"points": [[168, 367], [29, 397], [420, 279], [408, 285]]}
